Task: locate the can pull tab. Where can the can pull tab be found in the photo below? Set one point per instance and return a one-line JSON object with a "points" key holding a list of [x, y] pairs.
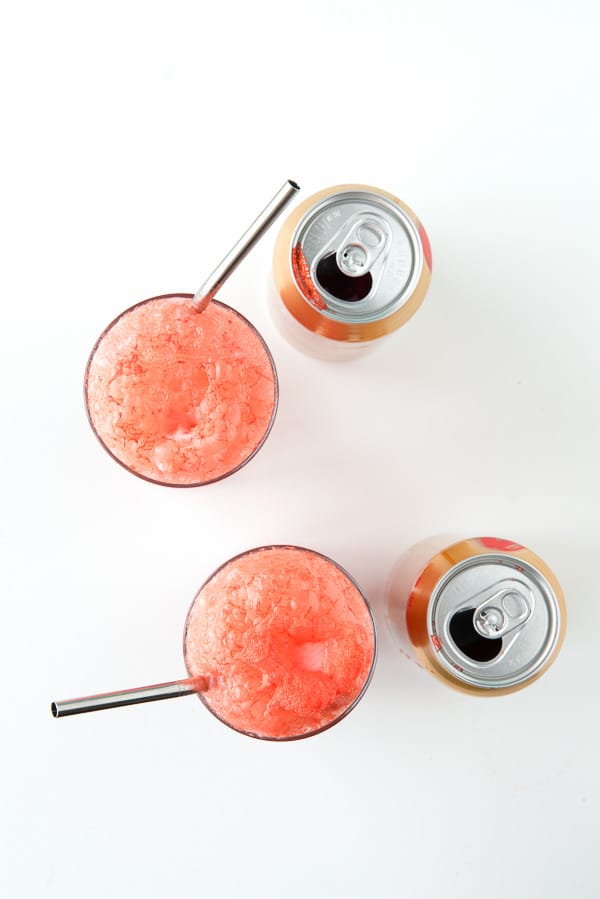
{"points": [[362, 245], [504, 611]]}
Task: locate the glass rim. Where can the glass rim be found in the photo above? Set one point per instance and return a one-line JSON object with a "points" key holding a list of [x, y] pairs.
{"points": [[346, 711], [161, 483]]}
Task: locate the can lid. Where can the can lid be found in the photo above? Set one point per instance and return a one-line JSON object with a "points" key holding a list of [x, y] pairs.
{"points": [[493, 620], [357, 256]]}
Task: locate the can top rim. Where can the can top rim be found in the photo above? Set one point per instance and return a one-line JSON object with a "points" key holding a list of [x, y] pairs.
{"points": [[482, 582], [386, 298]]}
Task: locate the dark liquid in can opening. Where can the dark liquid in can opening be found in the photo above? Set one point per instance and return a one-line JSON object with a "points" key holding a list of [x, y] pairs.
{"points": [[340, 285], [472, 644]]}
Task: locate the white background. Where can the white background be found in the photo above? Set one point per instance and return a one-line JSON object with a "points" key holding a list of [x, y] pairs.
{"points": [[139, 140]]}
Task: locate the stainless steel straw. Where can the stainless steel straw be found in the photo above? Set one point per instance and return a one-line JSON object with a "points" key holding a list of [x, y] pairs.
{"points": [[128, 697], [227, 266], [202, 298]]}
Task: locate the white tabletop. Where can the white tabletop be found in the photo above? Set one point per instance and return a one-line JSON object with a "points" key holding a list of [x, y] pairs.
{"points": [[139, 141]]}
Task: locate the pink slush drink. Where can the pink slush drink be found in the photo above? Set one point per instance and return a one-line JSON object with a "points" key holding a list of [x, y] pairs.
{"points": [[181, 397], [285, 639]]}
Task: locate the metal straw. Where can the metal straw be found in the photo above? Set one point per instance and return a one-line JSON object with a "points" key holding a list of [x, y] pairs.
{"points": [[128, 697], [227, 266], [201, 299]]}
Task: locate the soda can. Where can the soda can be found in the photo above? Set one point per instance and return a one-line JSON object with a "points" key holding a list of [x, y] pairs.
{"points": [[352, 263], [485, 616]]}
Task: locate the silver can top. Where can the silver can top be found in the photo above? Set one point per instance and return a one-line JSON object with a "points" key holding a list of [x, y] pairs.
{"points": [[494, 620], [363, 255]]}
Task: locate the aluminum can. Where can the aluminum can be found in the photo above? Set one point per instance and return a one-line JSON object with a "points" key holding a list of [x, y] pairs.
{"points": [[485, 615], [352, 263]]}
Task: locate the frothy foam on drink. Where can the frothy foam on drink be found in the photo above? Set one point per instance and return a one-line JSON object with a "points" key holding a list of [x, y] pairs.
{"points": [[286, 640], [179, 396]]}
